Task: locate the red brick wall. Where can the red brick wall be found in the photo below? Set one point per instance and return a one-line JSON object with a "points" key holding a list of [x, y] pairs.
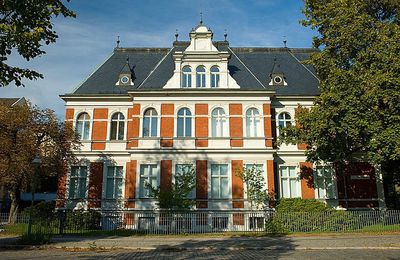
{"points": [[95, 184], [307, 180], [167, 125], [237, 184], [133, 126], [271, 178], [201, 125], [99, 129], [166, 175], [201, 183], [130, 183], [236, 125], [267, 125]]}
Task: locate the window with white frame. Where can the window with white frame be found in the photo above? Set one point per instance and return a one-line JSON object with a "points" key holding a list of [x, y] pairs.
{"points": [[200, 77], [289, 182], [219, 123], [284, 120], [325, 182], [77, 182], [214, 77], [117, 126], [184, 123], [258, 168], [182, 169], [253, 123], [219, 181], [150, 119], [114, 182], [186, 77], [148, 176], [83, 126]]}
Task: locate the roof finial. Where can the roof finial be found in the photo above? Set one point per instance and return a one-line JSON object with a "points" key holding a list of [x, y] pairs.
{"points": [[284, 41], [225, 35], [127, 59], [118, 41], [201, 17], [176, 35]]}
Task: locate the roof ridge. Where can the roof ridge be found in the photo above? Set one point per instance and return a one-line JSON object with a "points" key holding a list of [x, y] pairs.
{"points": [[158, 64], [246, 67], [304, 66]]}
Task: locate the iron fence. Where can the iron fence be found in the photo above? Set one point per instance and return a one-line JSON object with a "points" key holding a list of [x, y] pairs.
{"points": [[210, 221]]}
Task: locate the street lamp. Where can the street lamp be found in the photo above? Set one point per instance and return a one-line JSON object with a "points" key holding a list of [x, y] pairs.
{"points": [[36, 163]]}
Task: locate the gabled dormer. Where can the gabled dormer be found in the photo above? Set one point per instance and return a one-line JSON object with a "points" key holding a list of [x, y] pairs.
{"points": [[126, 76], [201, 65], [277, 78]]}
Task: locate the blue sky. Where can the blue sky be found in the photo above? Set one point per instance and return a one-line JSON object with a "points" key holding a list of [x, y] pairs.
{"points": [[85, 42]]}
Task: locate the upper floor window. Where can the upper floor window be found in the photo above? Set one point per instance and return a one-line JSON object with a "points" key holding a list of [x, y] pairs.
{"points": [[114, 182], [184, 124], [200, 77], [218, 123], [253, 123], [186, 77], [83, 126], [284, 120], [325, 182], [117, 126], [214, 77], [150, 123], [77, 182]]}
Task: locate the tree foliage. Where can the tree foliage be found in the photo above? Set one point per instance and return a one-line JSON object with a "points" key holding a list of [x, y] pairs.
{"points": [[177, 196], [257, 194], [358, 110], [26, 132], [25, 26]]}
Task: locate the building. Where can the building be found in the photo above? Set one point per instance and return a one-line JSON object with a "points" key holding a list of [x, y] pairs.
{"points": [[147, 112]]}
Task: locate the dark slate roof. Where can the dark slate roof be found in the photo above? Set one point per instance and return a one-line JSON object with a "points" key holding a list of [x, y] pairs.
{"points": [[250, 67], [12, 101]]}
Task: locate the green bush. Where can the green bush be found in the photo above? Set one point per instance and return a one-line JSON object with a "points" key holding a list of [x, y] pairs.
{"points": [[83, 220], [308, 215], [42, 212]]}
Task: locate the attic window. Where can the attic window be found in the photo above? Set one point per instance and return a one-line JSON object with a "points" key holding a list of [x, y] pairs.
{"points": [[124, 79], [277, 79]]}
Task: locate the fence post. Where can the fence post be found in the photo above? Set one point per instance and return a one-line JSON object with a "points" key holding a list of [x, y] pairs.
{"points": [[61, 217]]}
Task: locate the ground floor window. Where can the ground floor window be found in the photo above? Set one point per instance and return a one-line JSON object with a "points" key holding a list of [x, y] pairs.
{"points": [[114, 182], [325, 182], [219, 181], [77, 182], [188, 170], [148, 174], [289, 182]]}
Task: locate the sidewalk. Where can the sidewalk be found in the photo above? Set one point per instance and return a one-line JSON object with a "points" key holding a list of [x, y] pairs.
{"points": [[326, 242]]}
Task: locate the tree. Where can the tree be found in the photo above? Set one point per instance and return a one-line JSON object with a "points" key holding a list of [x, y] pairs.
{"points": [[177, 197], [26, 132], [25, 25], [358, 110], [256, 192]]}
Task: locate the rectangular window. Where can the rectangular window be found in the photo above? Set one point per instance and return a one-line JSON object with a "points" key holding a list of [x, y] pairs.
{"points": [[219, 181], [77, 182], [148, 174], [325, 182], [181, 169], [114, 182], [290, 182]]}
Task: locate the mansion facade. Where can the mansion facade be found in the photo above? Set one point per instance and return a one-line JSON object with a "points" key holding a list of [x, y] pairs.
{"points": [[146, 113]]}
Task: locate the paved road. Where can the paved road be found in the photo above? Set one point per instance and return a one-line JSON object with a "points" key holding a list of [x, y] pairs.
{"points": [[202, 254]]}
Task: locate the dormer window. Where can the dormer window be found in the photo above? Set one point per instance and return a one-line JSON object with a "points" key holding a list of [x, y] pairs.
{"points": [[200, 77], [126, 75], [277, 78], [214, 77], [186, 77]]}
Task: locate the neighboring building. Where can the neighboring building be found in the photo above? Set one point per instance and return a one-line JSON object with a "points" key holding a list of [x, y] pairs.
{"points": [[145, 112]]}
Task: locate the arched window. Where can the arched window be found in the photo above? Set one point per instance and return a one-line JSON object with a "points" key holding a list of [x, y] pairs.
{"points": [[253, 122], [200, 77], [150, 123], [218, 123], [284, 120], [214, 77], [184, 124], [83, 126], [186, 77], [117, 126]]}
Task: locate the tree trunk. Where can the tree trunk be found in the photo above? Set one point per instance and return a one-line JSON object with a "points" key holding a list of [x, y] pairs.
{"points": [[15, 198]]}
